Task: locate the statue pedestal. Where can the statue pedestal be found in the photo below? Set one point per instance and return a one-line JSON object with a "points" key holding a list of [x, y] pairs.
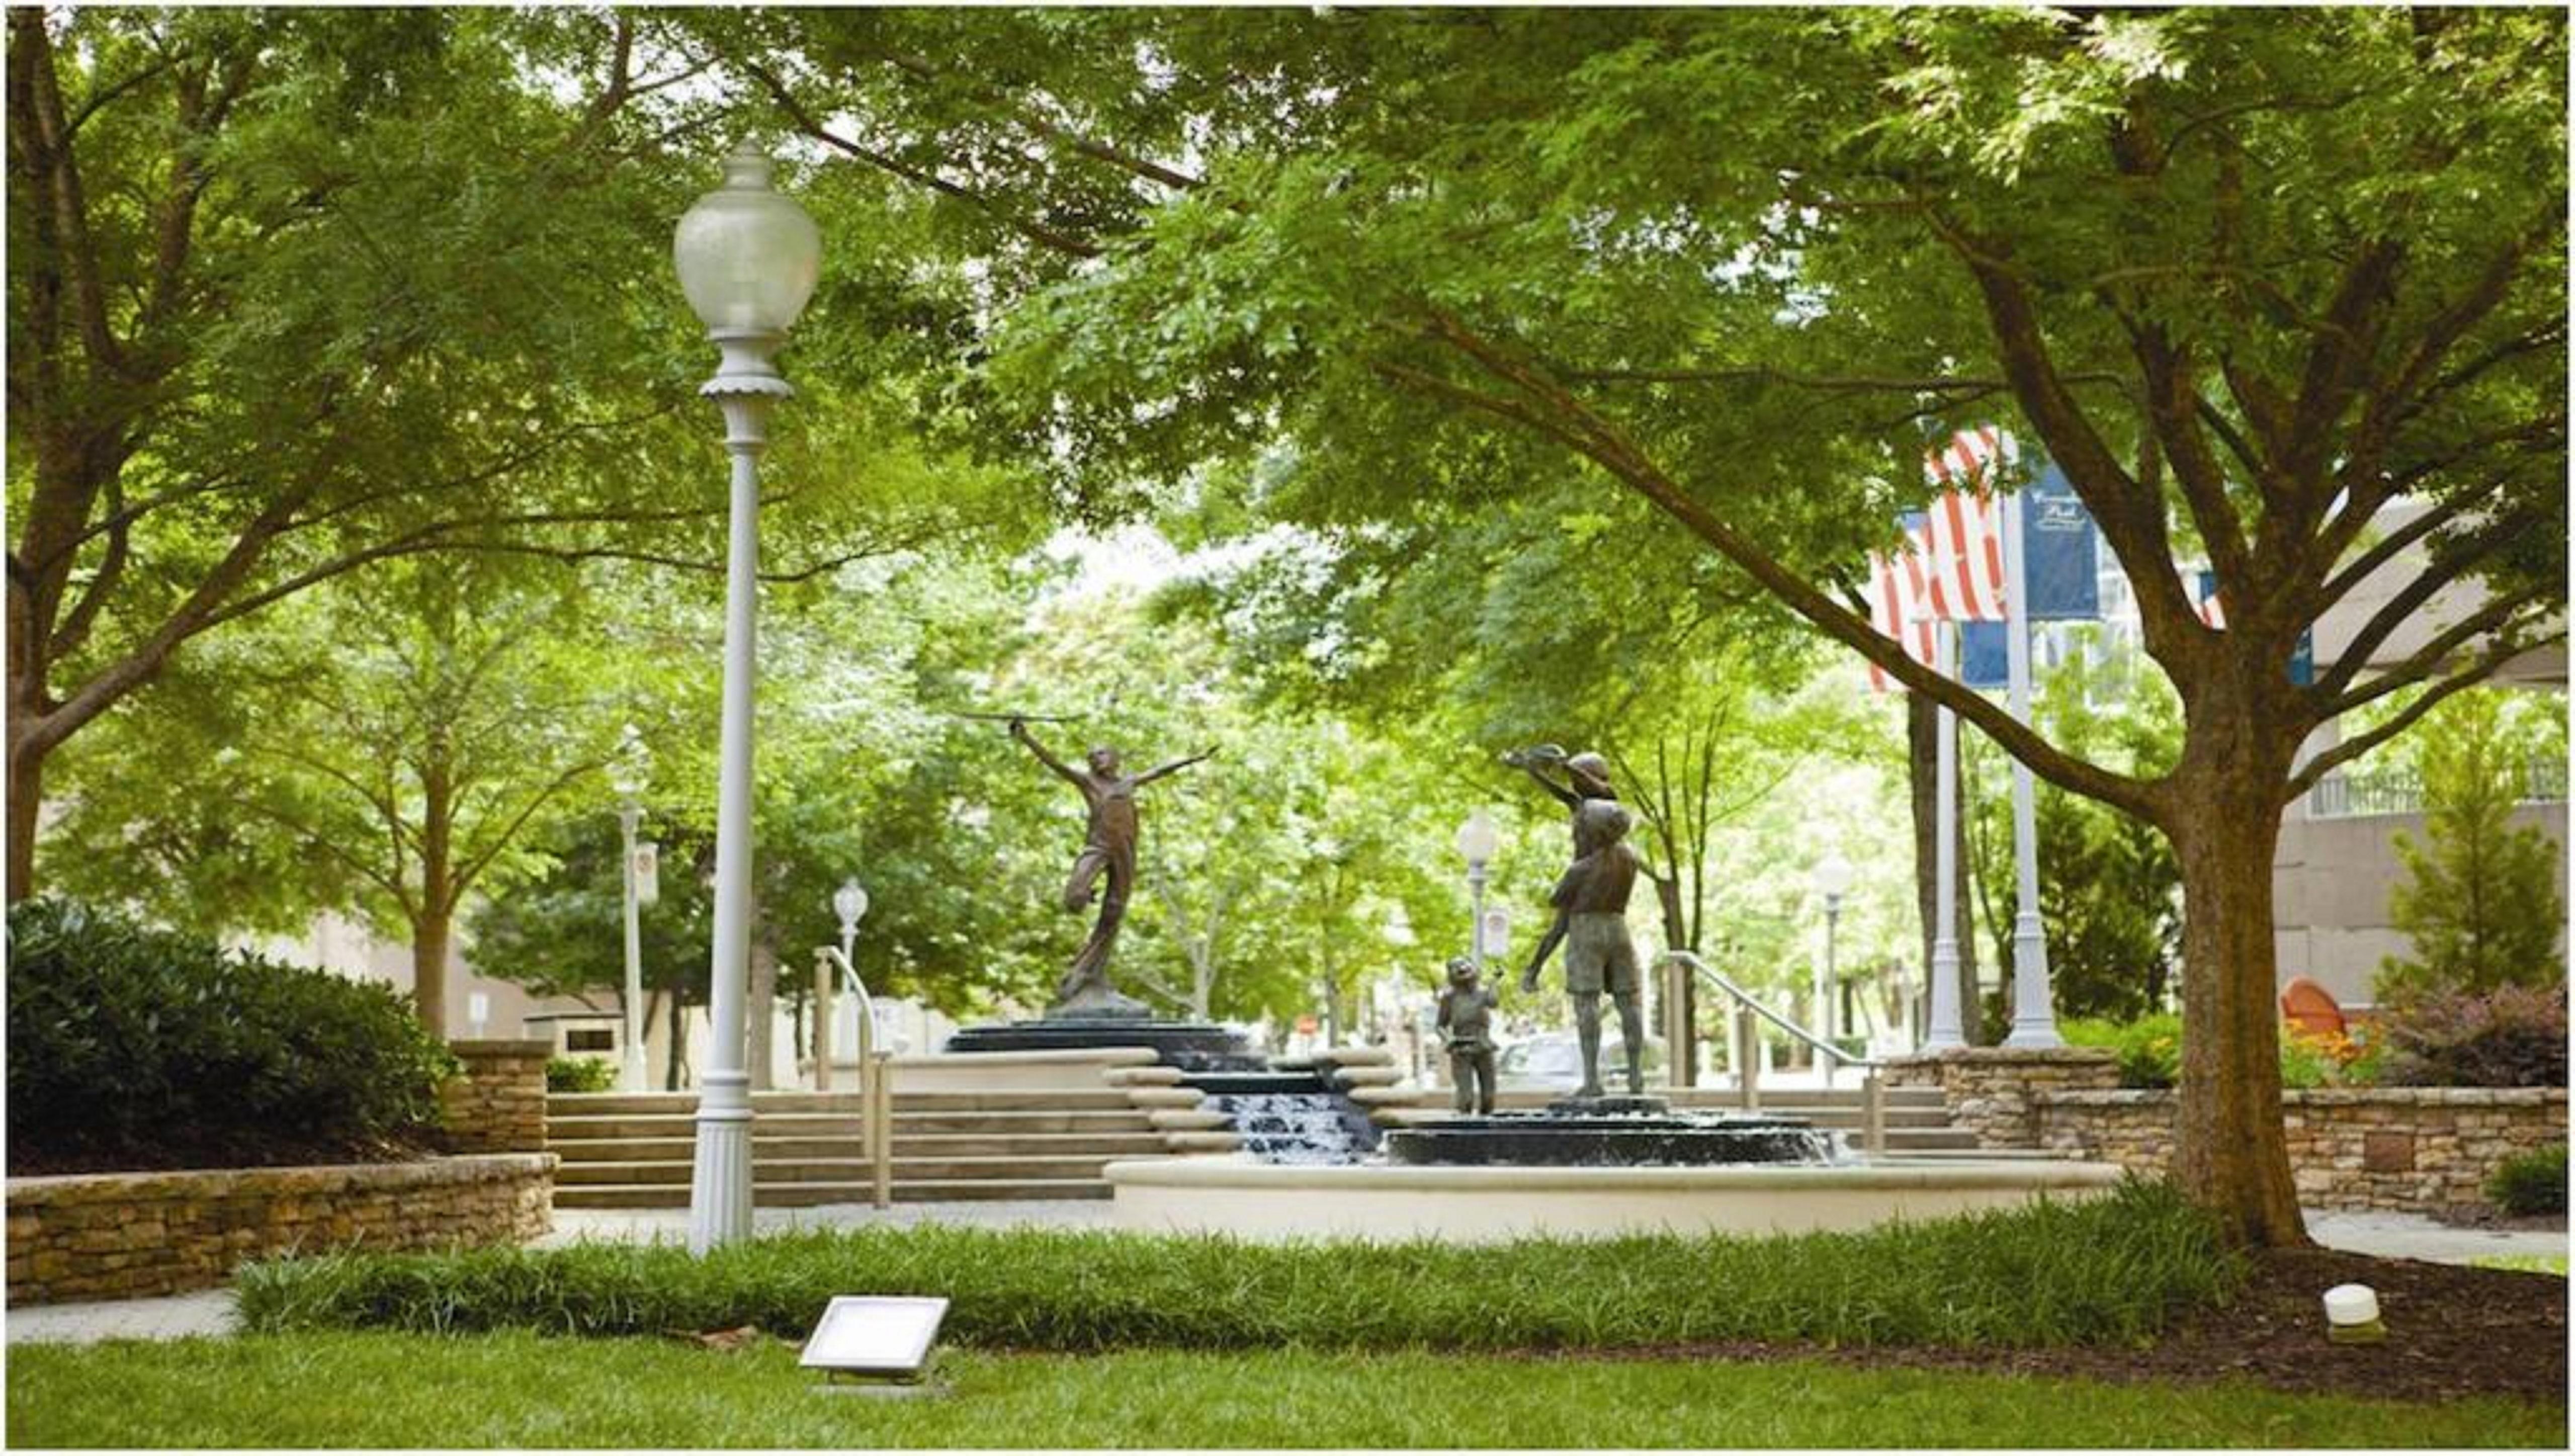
{"points": [[1191, 1046]]}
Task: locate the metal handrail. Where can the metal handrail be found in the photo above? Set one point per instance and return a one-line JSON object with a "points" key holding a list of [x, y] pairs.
{"points": [[875, 1096], [1753, 1003], [1748, 1055]]}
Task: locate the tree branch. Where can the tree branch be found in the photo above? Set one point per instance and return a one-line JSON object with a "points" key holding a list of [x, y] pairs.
{"points": [[2344, 752]]}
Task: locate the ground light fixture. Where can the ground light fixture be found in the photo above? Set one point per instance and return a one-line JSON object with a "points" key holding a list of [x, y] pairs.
{"points": [[2351, 1315], [873, 1338]]}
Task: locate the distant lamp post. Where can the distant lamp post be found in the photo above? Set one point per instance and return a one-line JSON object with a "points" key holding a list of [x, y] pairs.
{"points": [[1478, 842], [1832, 879], [628, 772], [747, 259], [849, 903]]}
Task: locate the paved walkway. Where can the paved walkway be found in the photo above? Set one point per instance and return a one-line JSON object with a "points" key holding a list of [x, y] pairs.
{"points": [[2391, 1235]]}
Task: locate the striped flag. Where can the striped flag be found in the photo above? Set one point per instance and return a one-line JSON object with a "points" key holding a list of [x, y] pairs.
{"points": [[2204, 593], [1964, 545], [1900, 603]]}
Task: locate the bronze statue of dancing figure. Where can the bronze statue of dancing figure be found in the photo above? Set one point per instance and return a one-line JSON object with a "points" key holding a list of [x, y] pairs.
{"points": [[1106, 868]]}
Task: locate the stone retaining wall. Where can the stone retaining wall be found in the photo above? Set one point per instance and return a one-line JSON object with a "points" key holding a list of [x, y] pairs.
{"points": [[127, 1235], [499, 1104], [1993, 1091], [2404, 1149]]}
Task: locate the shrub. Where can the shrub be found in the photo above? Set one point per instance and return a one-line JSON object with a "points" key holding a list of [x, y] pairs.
{"points": [[2116, 1268], [2531, 1182], [135, 1048], [578, 1074], [2510, 1037], [2149, 1050], [2149, 1047]]}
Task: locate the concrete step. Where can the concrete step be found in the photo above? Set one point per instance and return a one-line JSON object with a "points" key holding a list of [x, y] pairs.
{"points": [[560, 1129], [601, 1104], [1145, 1143], [1016, 1123], [799, 1196], [839, 1170], [838, 1103]]}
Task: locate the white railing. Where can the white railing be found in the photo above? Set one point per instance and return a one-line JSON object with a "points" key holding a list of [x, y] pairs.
{"points": [[2344, 797], [1745, 1051], [876, 1080]]}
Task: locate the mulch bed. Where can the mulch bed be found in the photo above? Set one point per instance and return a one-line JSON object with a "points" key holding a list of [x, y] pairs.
{"points": [[2452, 1331], [181, 1154]]}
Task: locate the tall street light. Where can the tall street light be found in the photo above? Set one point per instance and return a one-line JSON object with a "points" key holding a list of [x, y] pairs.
{"points": [[1832, 875], [628, 772], [748, 260], [1478, 842]]}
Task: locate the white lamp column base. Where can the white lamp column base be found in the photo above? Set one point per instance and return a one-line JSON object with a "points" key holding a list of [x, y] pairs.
{"points": [[720, 1184]]}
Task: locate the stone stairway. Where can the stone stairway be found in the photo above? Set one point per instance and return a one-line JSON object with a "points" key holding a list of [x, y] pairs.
{"points": [[634, 1150]]}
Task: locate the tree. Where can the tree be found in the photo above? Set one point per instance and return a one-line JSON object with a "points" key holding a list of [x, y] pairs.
{"points": [[2245, 277], [562, 933], [390, 751], [293, 294], [2479, 897], [2109, 887]]}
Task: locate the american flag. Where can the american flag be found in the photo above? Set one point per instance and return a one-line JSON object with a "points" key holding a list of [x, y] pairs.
{"points": [[1951, 568], [2203, 587]]}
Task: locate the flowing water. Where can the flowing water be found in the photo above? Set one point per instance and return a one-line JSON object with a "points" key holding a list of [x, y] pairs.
{"points": [[1297, 1127]]}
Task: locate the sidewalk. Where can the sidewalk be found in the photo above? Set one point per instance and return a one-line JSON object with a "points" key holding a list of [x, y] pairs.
{"points": [[209, 1313]]}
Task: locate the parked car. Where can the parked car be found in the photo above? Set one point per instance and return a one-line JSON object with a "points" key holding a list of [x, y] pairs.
{"points": [[1552, 1061]]}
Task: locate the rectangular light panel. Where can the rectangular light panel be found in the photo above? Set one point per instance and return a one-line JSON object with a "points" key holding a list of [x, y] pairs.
{"points": [[875, 1335]]}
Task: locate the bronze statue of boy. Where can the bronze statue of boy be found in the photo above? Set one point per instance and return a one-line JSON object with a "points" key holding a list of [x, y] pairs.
{"points": [[1591, 922], [1467, 1028]]}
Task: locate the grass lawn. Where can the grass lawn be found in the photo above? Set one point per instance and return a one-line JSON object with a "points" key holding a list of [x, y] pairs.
{"points": [[514, 1388], [2526, 1264]]}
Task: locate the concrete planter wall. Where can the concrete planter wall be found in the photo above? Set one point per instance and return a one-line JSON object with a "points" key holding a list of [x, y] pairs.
{"points": [[127, 1235], [2402, 1149]]}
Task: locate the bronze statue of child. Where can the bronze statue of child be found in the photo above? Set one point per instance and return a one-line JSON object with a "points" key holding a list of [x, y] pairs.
{"points": [[1466, 1030], [1591, 922]]}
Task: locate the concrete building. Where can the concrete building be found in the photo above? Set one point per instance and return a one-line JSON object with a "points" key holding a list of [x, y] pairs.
{"points": [[2337, 856]]}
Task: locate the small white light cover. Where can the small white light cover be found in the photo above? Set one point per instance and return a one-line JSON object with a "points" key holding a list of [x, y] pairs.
{"points": [[2351, 1305], [865, 1334]]}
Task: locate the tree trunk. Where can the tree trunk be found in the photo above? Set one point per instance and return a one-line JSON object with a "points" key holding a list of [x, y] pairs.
{"points": [[26, 807], [1923, 762], [678, 1075], [429, 937], [1922, 767], [2230, 1152], [761, 1008]]}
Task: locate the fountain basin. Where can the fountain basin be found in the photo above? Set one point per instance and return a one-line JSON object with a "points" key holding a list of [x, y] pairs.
{"points": [[1274, 1202], [1569, 1135]]}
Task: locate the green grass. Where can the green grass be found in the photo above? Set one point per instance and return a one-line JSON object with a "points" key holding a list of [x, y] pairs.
{"points": [[2526, 1264], [526, 1390], [2115, 1269]]}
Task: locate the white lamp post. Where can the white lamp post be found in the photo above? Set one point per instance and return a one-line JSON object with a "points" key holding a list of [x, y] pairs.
{"points": [[748, 260], [627, 773], [1478, 842], [1833, 879]]}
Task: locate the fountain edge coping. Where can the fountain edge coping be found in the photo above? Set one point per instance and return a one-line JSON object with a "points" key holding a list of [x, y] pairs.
{"points": [[1230, 1173]]}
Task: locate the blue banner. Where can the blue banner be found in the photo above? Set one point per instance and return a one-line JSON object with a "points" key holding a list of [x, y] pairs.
{"points": [[2060, 550], [1984, 653]]}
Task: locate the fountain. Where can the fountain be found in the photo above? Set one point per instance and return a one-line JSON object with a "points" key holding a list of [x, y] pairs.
{"points": [[1289, 1118]]}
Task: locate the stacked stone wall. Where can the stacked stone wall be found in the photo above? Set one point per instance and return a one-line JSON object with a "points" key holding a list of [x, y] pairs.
{"points": [[499, 1104], [1995, 1092], [129, 1236], [2395, 1149]]}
